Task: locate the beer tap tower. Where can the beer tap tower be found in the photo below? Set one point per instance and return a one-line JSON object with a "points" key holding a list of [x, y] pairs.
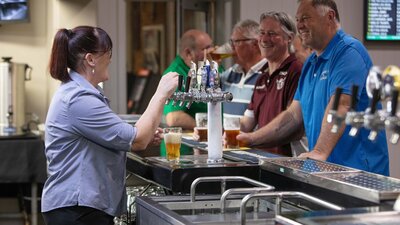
{"points": [[203, 84], [384, 87]]}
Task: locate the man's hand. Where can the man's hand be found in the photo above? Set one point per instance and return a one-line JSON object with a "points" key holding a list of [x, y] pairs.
{"points": [[314, 154], [195, 135], [245, 138]]}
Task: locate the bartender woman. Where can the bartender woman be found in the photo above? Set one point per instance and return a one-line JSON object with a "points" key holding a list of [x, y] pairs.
{"points": [[86, 142]]}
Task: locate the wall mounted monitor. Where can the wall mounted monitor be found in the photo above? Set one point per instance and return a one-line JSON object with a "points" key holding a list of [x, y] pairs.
{"points": [[14, 11], [382, 20]]}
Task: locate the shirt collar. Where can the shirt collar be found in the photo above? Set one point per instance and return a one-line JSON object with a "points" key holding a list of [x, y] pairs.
{"points": [[288, 60], [182, 62], [81, 81], [254, 69], [257, 67], [326, 54]]}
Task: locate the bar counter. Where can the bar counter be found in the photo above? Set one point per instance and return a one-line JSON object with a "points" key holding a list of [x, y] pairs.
{"points": [[152, 166]]}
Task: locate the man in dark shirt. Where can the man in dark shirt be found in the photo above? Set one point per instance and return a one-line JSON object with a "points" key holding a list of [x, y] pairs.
{"points": [[275, 88]]}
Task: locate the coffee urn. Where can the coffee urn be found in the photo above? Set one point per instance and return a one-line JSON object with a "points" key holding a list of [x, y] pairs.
{"points": [[12, 95]]}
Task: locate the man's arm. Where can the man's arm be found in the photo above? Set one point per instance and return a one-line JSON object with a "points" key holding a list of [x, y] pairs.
{"points": [[285, 127], [180, 119], [327, 140]]}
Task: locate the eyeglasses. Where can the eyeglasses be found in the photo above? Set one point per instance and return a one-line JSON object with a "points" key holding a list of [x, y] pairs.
{"points": [[238, 41]]}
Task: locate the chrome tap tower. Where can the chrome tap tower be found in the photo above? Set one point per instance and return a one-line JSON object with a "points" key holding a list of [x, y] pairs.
{"points": [[380, 86], [203, 84]]}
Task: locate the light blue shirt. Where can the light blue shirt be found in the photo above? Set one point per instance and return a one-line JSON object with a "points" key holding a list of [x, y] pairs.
{"points": [[344, 62], [86, 145], [241, 85]]}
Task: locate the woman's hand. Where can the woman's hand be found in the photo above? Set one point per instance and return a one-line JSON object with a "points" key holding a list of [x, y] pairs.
{"points": [[157, 138], [168, 84]]}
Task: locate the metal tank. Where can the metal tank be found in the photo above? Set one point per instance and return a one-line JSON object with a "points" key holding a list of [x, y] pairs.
{"points": [[12, 95]]}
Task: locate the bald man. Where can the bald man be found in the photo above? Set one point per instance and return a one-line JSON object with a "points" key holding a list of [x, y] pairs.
{"points": [[191, 48]]}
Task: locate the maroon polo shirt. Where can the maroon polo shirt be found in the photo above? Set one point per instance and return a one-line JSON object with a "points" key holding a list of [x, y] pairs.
{"points": [[273, 93]]}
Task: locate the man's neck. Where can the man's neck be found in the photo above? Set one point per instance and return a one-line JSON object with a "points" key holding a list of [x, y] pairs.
{"points": [[331, 34], [274, 64]]}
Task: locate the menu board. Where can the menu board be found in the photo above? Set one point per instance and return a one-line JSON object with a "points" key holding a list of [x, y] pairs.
{"points": [[382, 20]]}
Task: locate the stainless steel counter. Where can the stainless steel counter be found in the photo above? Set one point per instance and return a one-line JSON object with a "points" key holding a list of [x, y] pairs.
{"points": [[362, 195]]}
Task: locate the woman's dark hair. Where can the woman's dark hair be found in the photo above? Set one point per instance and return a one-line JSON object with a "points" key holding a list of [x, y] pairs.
{"points": [[71, 46]]}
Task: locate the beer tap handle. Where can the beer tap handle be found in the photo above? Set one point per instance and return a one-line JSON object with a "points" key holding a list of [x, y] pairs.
{"points": [[375, 99], [393, 122], [395, 96], [333, 116], [372, 120], [354, 93], [337, 98], [187, 84], [180, 81]]}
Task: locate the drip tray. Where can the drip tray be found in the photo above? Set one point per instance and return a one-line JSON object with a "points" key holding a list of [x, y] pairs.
{"points": [[177, 176], [341, 179]]}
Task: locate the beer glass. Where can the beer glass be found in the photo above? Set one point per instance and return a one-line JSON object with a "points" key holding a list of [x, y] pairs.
{"points": [[232, 129], [173, 140], [201, 126], [222, 52]]}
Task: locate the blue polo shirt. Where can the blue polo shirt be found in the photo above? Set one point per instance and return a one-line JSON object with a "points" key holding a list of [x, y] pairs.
{"points": [[86, 145], [344, 62]]}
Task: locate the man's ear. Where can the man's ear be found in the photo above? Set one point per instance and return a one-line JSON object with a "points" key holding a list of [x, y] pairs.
{"points": [[290, 38], [90, 59], [188, 53], [332, 15]]}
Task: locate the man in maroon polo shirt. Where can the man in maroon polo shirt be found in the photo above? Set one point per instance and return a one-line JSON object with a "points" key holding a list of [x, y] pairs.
{"points": [[275, 88]]}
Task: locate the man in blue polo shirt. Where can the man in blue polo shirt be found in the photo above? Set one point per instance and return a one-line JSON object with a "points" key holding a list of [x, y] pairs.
{"points": [[339, 60]]}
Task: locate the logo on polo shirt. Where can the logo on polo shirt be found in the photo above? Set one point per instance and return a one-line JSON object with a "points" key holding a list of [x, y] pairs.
{"points": [[324, 75], [280, 83]]}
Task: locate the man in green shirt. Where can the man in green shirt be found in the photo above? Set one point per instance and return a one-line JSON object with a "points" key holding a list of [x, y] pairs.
{"points": [[191, 48]]}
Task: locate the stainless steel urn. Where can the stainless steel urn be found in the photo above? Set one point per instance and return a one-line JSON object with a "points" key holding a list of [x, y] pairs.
{"points": [[12, 94]]}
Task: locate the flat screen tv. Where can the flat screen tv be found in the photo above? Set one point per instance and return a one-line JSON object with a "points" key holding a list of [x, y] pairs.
{"points": [[14, 11], [382, 20]]}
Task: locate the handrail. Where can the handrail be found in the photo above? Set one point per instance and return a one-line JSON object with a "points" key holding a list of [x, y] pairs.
{"points": [[225, 195], [279, 196], [223, 180]]}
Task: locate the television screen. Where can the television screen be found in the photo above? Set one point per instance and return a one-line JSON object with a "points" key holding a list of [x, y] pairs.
{"points": [[382, 20], [13, 11]]}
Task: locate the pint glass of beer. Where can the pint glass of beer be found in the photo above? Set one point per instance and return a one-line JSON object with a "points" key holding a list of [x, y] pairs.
{"points": [[232, 129], [222, 52], [201, 126], [173, 140]]}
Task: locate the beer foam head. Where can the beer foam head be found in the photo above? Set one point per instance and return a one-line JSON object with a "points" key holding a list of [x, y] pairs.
{"points": [[172, 137]]}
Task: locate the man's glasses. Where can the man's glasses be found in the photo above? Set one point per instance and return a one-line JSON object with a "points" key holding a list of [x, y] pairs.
{"points": [[237, 42]]}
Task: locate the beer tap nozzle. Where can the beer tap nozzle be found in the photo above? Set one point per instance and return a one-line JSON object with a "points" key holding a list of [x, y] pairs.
{"points": [[372, 119], [392, 122]]}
